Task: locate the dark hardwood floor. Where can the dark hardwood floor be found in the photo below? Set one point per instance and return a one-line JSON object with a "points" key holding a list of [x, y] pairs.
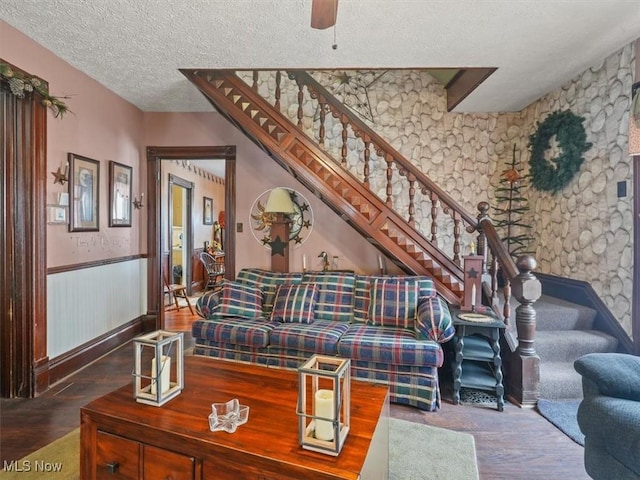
{"points": [[514, 444]]}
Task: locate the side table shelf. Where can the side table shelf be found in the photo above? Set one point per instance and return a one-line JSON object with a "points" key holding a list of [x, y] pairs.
{"points": [[477, 362]]}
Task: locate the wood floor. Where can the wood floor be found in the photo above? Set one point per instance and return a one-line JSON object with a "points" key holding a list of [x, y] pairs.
{"points": [[514, 444]]}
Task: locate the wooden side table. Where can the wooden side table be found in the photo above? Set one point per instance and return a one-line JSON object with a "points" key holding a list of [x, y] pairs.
{"points": [[477, 362]]}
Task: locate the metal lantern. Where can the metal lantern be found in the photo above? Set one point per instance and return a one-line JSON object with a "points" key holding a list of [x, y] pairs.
{"points": [[324, 403], [158, 374]]}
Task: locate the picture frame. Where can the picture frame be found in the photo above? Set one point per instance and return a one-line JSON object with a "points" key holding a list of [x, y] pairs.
{"points": [[207, 211], [120, 194], [84, 194]]}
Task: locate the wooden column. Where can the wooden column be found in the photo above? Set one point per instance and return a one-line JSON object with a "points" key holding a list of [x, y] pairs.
{"points": [[280, 243]]}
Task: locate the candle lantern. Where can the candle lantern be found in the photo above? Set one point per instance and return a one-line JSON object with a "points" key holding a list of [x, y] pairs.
{"points": [[324, 402], [472, 300], [158, 374]]}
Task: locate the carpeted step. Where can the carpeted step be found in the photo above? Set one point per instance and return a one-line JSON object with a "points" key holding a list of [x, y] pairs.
{"points": [[559, 381], [569, 345], [556, 314]]}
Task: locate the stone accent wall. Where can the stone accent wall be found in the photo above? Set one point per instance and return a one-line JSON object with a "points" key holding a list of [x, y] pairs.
{"points": [[585, 231]]}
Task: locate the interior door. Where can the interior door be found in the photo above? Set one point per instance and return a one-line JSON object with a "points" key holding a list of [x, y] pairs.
{"points": [[180, 233]]}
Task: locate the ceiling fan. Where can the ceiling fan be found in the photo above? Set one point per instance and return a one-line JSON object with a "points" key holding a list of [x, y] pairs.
{"points": [[323, 13]]}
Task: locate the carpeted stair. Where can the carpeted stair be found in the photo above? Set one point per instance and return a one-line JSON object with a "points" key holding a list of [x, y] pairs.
{"points": [[564, 333]]}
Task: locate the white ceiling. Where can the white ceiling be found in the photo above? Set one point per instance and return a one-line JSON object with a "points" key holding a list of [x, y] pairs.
{"points": [[135, 47]]}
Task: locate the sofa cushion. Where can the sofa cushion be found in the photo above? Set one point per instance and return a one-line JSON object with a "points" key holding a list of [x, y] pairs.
{"points": [[268, 282], [393, 303], [239, 300], [391, 345], [238, 331], [207, 303], [426, 289], [319, 337], [433, 321], [295, 303], [335, 294]]}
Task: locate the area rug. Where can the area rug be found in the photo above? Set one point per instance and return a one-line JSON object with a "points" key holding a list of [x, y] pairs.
{"points": [[416, 452], [59, 460], [564, 415], [421, 452]]}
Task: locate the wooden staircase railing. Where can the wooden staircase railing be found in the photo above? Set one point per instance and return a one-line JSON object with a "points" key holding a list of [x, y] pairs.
{"points": [[379, 192]]}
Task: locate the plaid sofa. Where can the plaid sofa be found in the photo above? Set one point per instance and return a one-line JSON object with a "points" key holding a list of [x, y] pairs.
{"points": [[391, 327]]}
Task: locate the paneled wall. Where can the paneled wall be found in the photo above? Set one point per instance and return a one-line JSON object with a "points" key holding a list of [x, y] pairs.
{"points": [[84, 304]]}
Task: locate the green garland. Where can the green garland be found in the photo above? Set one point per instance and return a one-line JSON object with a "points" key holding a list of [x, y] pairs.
{"points": [[553, 175], [21, 85]]}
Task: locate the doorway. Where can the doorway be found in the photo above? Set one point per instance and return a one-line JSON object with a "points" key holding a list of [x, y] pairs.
{"points": [[155, 155], [180, 231]]}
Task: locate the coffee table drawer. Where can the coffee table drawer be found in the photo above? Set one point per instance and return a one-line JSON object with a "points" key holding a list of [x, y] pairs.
{"points": [[225, 470], [159, 464], [116, 457]]}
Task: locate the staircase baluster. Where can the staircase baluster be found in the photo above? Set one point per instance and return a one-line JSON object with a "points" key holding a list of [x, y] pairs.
{"points": [[506, 308], [483, 209], [345, 122], [457, 231], [389, 200], [367, 159], [278, 91], [434, 217], [300, 100], [412, 194], [254, 86], [322, 131], [495, 302]]}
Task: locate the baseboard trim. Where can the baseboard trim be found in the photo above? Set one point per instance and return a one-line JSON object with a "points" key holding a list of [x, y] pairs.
{"points": [[582, 293], [70, 362]]}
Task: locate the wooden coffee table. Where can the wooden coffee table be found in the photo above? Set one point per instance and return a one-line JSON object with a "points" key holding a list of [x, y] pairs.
{"points": [[121, 438]]}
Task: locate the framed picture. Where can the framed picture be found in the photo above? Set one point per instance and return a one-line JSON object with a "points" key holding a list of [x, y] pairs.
{"points": [[84, 193], [119, 194], [207, 211]]}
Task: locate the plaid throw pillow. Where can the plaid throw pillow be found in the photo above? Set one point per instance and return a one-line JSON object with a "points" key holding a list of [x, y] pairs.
{"points": [[294, 303], [393, 303], [239, 300]]}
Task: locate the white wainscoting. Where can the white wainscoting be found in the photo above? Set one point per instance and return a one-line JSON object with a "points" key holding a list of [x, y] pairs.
{"points": [[89, 302]]}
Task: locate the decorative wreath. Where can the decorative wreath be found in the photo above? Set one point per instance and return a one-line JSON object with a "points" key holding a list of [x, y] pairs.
{"points": [[552, 175]]}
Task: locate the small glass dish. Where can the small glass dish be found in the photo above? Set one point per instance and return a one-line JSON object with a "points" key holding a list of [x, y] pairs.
{"points": [[228, 416]]}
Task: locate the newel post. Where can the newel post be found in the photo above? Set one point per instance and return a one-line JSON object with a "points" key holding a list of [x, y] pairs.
{"points": [[525, 370]]}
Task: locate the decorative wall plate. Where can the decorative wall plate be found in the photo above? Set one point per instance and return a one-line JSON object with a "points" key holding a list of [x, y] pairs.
{"points": [[301, 225]]}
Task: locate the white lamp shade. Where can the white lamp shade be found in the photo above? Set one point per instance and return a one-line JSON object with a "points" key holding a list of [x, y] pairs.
{"points": [[279, 202]]}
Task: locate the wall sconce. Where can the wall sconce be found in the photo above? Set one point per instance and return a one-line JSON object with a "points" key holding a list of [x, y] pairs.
{"points": [[137, 204], [279, 205], [59, 177]]}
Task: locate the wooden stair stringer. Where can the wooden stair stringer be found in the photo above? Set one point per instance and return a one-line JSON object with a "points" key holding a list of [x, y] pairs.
{"points": [[337, 187]]}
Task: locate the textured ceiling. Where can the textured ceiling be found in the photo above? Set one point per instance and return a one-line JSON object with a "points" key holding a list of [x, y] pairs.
{"points": [[135, 47]]}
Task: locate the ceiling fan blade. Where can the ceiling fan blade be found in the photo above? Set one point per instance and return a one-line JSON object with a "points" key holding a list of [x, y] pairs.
{"points": [[323, 13]]}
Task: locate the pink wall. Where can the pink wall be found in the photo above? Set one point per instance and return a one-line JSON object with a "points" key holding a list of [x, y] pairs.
{"points": [[102, 126], [256, 173], [105, 127]]}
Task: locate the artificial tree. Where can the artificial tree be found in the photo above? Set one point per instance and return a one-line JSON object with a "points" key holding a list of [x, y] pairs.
{"points": [[511, 208]]}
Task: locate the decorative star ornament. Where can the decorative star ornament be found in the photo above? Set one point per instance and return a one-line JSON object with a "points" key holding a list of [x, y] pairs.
{"points": [[59, 177], [473, 273], [277, 246]]}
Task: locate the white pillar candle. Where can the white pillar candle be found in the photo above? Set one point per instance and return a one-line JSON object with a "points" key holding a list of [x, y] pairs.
{"points": [[165, 374], [324, 408], [473, 295], [304, 261]]}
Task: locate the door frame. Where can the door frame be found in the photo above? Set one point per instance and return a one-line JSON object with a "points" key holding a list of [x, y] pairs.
{"points": [[155, 155], [187, 244]]}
